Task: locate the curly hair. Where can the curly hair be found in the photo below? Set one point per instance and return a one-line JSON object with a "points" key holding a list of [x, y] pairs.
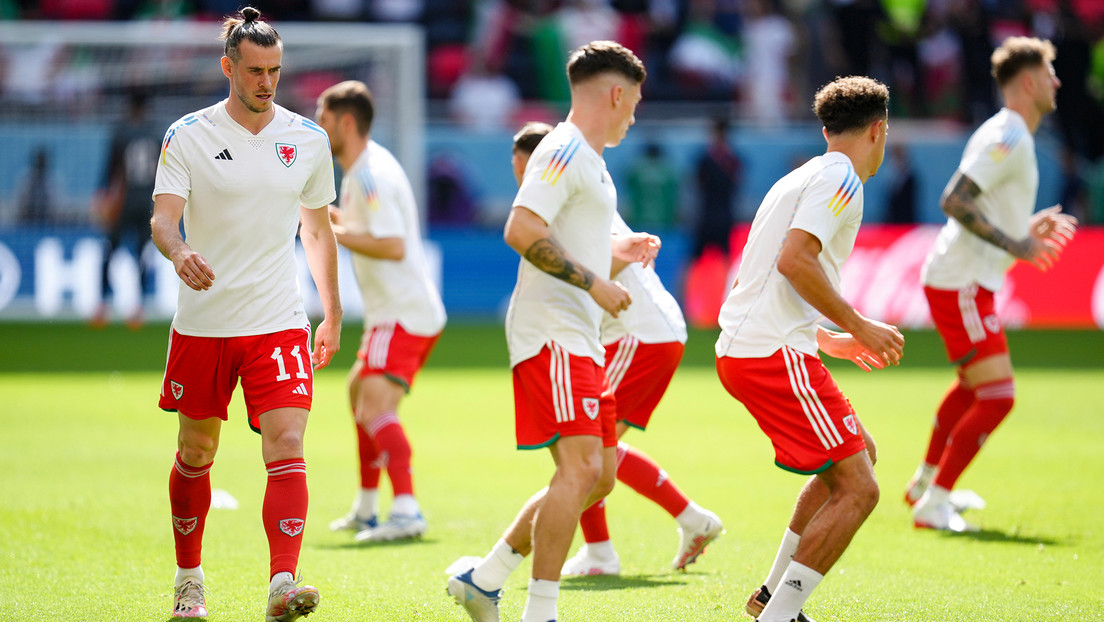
{"points": [[1019, 53], [851, 103], [249, 27]]}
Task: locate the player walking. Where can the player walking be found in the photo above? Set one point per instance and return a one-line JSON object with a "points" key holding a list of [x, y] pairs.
{"points": [[767, 354], [989, 202], [403, 314], [242, 174], [644, 345], [560, 224]]}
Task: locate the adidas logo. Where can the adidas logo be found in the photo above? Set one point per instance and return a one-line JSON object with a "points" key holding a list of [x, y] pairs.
{"points": [[795, 584], [224, 155], [302, 390]]}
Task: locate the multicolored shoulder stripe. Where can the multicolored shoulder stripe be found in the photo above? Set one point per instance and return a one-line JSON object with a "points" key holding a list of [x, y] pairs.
{"points": [[1008, 142], [188, 120], [368, 185], [846, 190], [559, 162]]}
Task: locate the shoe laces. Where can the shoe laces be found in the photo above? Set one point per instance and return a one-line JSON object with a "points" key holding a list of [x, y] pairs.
{"points": [[190, 593], [286, 585]]}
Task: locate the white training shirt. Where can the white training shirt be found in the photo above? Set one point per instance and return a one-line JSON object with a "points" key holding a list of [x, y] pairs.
{"points": [[566, 184], [376, 198], [654, 315], [764, 312], [1000, 159], [243, 194]]}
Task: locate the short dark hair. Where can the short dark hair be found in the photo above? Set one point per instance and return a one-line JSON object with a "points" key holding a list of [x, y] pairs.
{"points": [[530, 135], [850, 104], [249, 27], [599, 57], [1017, 54], [352, 97]]}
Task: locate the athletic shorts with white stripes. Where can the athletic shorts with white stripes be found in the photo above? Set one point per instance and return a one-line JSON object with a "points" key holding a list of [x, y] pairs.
{"points": [[559, 394], [639, 374], [389, 350], [967, 321], [798, 406]]}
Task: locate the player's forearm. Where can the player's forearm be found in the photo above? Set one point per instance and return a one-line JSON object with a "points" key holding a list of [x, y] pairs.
{"points": [[547, 255], [370, 246], [807, 277], [321, 251], [165, 231], [959, 201]]}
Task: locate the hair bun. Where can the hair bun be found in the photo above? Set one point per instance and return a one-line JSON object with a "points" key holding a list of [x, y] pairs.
{"points": [[250, 14]]}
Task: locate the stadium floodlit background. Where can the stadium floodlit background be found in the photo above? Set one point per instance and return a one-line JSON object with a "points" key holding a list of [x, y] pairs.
{"points": [[453, 80]]}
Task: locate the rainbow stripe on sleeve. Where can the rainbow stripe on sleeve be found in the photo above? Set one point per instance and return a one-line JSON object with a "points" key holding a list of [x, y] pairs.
{"points": [[559, 162], [1008, 142], [846, 191], [368, 185]]}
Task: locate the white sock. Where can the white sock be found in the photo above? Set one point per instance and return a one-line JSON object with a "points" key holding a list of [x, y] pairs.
{"points": [[367, 503], [279, 578], [782, 560], [691, 518], [541, 604], [491, 573], [601, 550], [933, 497], [798, 582], [184, 573], [405, 505]]}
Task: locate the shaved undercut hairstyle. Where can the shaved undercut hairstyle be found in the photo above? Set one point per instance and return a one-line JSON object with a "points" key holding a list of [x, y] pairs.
{"points": [[1019, 53], [248, 28], [599, 57]]}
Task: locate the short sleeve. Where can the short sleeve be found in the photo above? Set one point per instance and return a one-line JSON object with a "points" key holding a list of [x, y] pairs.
{"points": [[319, 190], [827, 202], [173, 174], [383, 205], [548, 180], [996, 161]]}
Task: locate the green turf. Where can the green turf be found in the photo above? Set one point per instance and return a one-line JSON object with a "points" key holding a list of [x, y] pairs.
{"points": [[73, 346], [85, 533]]}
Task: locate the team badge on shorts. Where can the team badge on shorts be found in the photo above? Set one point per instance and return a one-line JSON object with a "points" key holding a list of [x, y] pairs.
{"points": [[287, 153], [992, 323], [590, 407], [292, 526], [849, 421], [177, 388], [185, 525]]}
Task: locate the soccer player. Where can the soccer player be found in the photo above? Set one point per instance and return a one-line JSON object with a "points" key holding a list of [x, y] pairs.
{"points": [[560, 225], [243, 174], [767, 354], [989, 203], [644, 345], [403, 313]]}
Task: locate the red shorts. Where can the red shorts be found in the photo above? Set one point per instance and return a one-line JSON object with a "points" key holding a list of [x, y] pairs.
{"points": [[798, 405], [389, 350], [639, 374], [202, 372], [559, 394], [967, 321]]}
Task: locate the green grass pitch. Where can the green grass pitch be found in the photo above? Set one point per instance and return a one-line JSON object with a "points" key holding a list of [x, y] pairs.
{"points": [[85, 459]]}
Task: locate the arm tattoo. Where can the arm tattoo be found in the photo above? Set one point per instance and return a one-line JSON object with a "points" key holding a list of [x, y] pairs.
{"points": [[960, 202], [550, 257]]}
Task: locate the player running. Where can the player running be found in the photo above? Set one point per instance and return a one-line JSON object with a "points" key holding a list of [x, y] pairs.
{"points": [[403, 314], [989, 202]]}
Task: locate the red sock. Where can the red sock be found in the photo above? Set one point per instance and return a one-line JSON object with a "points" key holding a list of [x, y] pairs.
{"points": [[369, 459], [190, 499], [394, 452], [593, 522], [642, 474], [958, 400], [994, 401], [284, 513]]}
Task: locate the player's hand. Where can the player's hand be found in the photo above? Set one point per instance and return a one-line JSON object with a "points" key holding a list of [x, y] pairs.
{"points": [[193, 269], [327, 341], [1049, 232], [881, 341], [610, 295], [844, 346], [636, 247], [337, 217]]}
